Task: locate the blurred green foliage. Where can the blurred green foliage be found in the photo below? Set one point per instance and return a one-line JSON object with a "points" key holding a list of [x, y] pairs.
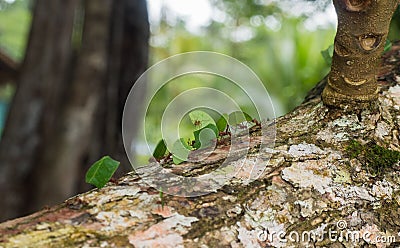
{"points": [[273, 41], [394, 33], [275, 45], [15, 18], [269, 39]]}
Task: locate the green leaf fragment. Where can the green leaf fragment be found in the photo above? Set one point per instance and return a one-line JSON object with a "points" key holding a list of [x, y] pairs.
{"points": [[200, 119], [205, 136], [101, 171], [388, 45], [180, 151], [238, 117], [162, 198], [222, 123], [160, 150], [327, 54], [177, 160]]}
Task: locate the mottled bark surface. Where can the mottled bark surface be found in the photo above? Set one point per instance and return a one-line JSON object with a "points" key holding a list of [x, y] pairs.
{"points": [[313, 181], [363, 27]]}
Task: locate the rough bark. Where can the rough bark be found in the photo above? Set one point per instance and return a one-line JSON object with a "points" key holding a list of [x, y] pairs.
{"points": [[41, 83], [363, 26], [313, 180]]}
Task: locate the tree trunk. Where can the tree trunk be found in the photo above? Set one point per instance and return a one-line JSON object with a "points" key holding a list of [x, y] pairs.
{"points": [[8, 69], [128, 60], [33, 112], [66, 111], [70, 139], [330, 171], [363, 26]]}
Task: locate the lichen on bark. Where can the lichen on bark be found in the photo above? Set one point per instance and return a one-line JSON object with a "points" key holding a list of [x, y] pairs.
{"points": [[363, 27], [312, 181]]}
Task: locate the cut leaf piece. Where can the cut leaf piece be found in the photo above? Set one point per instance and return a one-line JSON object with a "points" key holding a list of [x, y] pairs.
{"points": [[177, 160], [101, 171], [180, 151], [388, 45], [160, 150], [205, 136], [238, 117], [200, 119], [327, 54], [222, 123]]}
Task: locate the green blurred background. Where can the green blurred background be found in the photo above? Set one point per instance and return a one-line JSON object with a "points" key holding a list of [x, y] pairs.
{"points": [[45, 153], [281, 41]]}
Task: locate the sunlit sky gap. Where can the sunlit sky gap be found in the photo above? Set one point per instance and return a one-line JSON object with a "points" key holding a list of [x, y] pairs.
{"points": [[199, 13]]}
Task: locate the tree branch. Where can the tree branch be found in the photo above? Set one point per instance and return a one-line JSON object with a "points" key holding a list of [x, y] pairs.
{"points": [[314, 180], [363, 27]]}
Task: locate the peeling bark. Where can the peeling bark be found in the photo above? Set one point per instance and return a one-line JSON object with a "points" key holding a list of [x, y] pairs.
{"points": [[311, 183], [363, 27]]}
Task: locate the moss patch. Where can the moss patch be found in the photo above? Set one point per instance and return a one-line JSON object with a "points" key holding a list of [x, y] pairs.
{"points": [[375, 157], [392, 209]]}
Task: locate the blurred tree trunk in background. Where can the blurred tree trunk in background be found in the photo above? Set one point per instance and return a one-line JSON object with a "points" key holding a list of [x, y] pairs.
{"points": [[42, 81], [128, 59], [67, 143], [66, 112], [8, 69]]}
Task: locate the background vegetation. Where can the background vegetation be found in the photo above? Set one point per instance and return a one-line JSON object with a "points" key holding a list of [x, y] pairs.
{"points": [[280, 40], [280, 46]]}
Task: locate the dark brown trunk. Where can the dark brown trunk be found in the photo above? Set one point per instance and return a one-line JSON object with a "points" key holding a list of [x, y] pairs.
{"points": [[34, 107], [8, 69], [69, 142], [128, 59], [67, 112]]}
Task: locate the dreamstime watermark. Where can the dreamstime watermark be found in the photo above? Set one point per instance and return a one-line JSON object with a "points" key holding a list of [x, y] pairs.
{"points": [[340, 234], [233, 77]]}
